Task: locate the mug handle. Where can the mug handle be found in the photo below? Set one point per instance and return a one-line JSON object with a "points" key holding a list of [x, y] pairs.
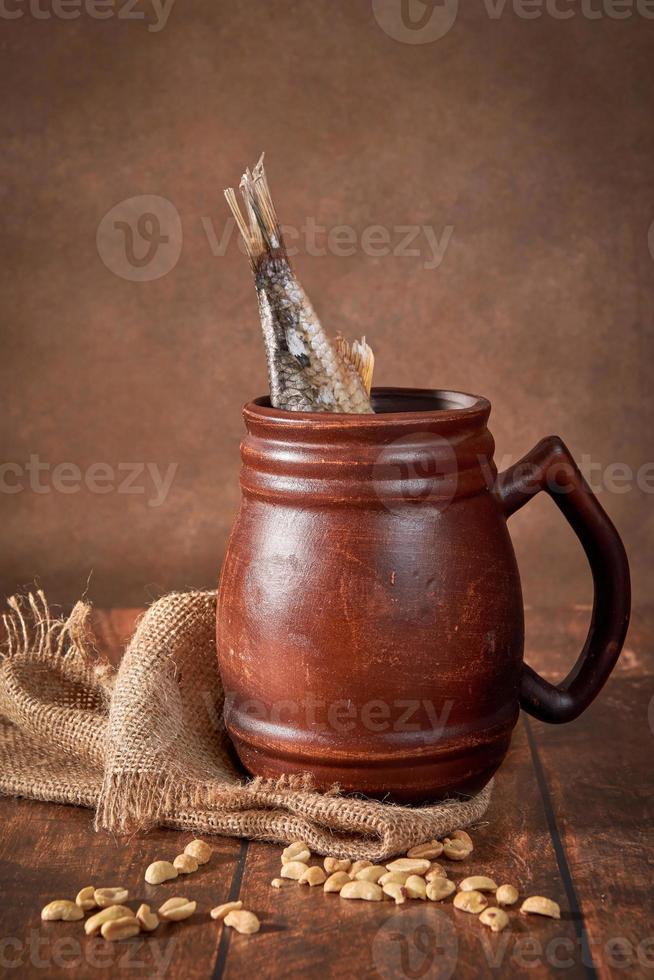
{"points": [[542, 469]]}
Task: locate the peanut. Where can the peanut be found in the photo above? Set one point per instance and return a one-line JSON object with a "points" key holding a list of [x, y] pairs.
{"points": [[436, 871], [455, 850], [416, 887], [243, 921], [281, 882], [464, 837], [537, 905], [430, 849], [94, 923], [160, 871], [297, 851], [477, 883], [440, 888], [394, 878], [336, 881], [62, 910], [367, 891], [186, 864], [413, 866], [116, 929], [85, 898], [506, 895], [176, 909], [373, 873], [294, 869], [358, 866], [473, 902], [199, 850], [104, 897], [331, 865], [313, 876], [495, 919], [221, 911], [396, 891], [147, 919]]}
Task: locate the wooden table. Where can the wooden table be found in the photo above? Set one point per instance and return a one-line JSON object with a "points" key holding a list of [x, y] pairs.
{"points": [[571, 818]]}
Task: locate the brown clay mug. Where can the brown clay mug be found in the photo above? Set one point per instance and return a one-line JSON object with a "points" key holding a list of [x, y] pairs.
{"points": [[370, 619]]}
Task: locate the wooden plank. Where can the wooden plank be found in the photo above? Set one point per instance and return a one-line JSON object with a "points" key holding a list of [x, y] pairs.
{"points": [[305, 931], [599, 773], [49, 851], [570, 818]]}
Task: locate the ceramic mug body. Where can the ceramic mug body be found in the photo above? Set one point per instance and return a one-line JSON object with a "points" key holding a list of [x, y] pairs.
{"points": [[370, 622]]}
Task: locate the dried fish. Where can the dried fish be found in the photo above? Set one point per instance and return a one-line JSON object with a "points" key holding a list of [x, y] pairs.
{"points": [[308, 372]]}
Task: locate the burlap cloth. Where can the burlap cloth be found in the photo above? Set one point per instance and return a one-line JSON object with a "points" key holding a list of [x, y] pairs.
{"points": [[145, 745]]}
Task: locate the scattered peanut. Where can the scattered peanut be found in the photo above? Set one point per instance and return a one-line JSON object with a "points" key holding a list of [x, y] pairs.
{"points": [[243, 921], [367, 891], [396, 891], [477, 883], [506, 895], [185, 864], [440, 888], [455, 850], [373, 873], [416, 887], [116, 929], [358, 866], [294, 869], [413, 866], [464, 837], [332, 865], [147, 919], [160, 871], [62, 910], [430, 849], [297, 851], [176, 909], [282, 882], [336, 881], [85, 898], [495, 919], [394, 877], [436, 871], [473, 902], [537, 905], [200, 850], [221, 911], [313, 876], [95, 922], [104, 897]]}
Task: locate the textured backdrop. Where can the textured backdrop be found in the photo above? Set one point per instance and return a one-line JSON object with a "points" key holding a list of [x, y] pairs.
{"points": [[471, 188]]}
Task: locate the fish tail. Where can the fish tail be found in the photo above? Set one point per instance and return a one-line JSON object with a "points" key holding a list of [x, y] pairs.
{"points": [[258, 224]]}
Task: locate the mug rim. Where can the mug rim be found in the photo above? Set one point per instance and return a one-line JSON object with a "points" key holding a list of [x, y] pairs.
{"points": [[462, 406]]}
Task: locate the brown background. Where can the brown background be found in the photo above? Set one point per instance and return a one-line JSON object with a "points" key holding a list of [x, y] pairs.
{"points": [[532, 138]]}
